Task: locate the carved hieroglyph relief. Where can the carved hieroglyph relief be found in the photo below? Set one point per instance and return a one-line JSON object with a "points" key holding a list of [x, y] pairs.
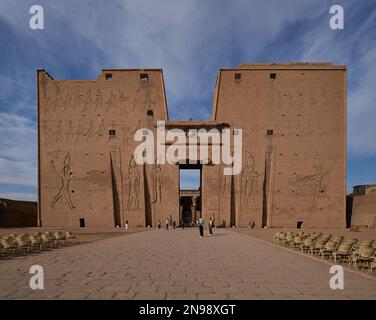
{"points": [[46, 133], [125, 131], [314, 186], [88, 101], [122, 103], [100, 130], [132, 180], [249, 182], [68, 131], [59, 132], [224, 182], [157, 182], [79, 131], [89, 131], [66, 177], [72, 130]]}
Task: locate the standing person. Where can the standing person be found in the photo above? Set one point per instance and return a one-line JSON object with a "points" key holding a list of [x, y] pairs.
{"points": [[211, 222], [201, 226], [167, 223], [126, 224], [173, 224], [158, 224]]}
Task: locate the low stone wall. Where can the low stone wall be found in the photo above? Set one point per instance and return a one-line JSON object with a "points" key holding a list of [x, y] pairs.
{"points": [[364, 210], [14, 213]]}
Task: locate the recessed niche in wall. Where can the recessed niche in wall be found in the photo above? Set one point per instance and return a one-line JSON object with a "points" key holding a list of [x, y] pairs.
{"points": [[144, 77]]}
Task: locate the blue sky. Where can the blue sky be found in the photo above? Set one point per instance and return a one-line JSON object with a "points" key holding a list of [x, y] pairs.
{"points": [[190, 40]]}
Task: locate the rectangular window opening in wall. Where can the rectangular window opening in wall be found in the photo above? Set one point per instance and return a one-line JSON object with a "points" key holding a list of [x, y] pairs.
{"points": [[108, 76], [82, 223], [273, 75], [299, 224], [144, 77], [150, 113], [238, 76], [112, 132], [269, 132]]}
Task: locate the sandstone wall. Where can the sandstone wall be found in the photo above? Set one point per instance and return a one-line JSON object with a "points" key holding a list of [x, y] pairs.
{"points": [[293, 118], [86, 143], [364, 210]]}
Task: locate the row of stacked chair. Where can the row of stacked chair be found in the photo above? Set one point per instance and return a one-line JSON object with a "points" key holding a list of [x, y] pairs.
{"points": [[11, 244], [359, 254]]}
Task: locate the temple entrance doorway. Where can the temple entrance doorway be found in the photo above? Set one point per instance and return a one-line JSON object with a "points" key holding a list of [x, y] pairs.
{"points": [[189, 194]]}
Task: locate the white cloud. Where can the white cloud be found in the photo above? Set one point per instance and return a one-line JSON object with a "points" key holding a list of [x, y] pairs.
{"points": [[17, 150], [18, 196]]}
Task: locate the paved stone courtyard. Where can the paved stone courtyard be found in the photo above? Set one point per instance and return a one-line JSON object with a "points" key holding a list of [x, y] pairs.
{"points": [[177, 264]]}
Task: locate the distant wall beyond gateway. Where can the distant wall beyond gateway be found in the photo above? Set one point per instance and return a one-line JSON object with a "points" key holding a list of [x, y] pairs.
{"points": [[363, 200], [293, 118], [16, 213]]}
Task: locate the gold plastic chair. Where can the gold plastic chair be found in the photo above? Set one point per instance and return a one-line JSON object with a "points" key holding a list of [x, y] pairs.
{"points": [[343, 252], [365, 258], [9, 247], [36, 242], [328, 249]]}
